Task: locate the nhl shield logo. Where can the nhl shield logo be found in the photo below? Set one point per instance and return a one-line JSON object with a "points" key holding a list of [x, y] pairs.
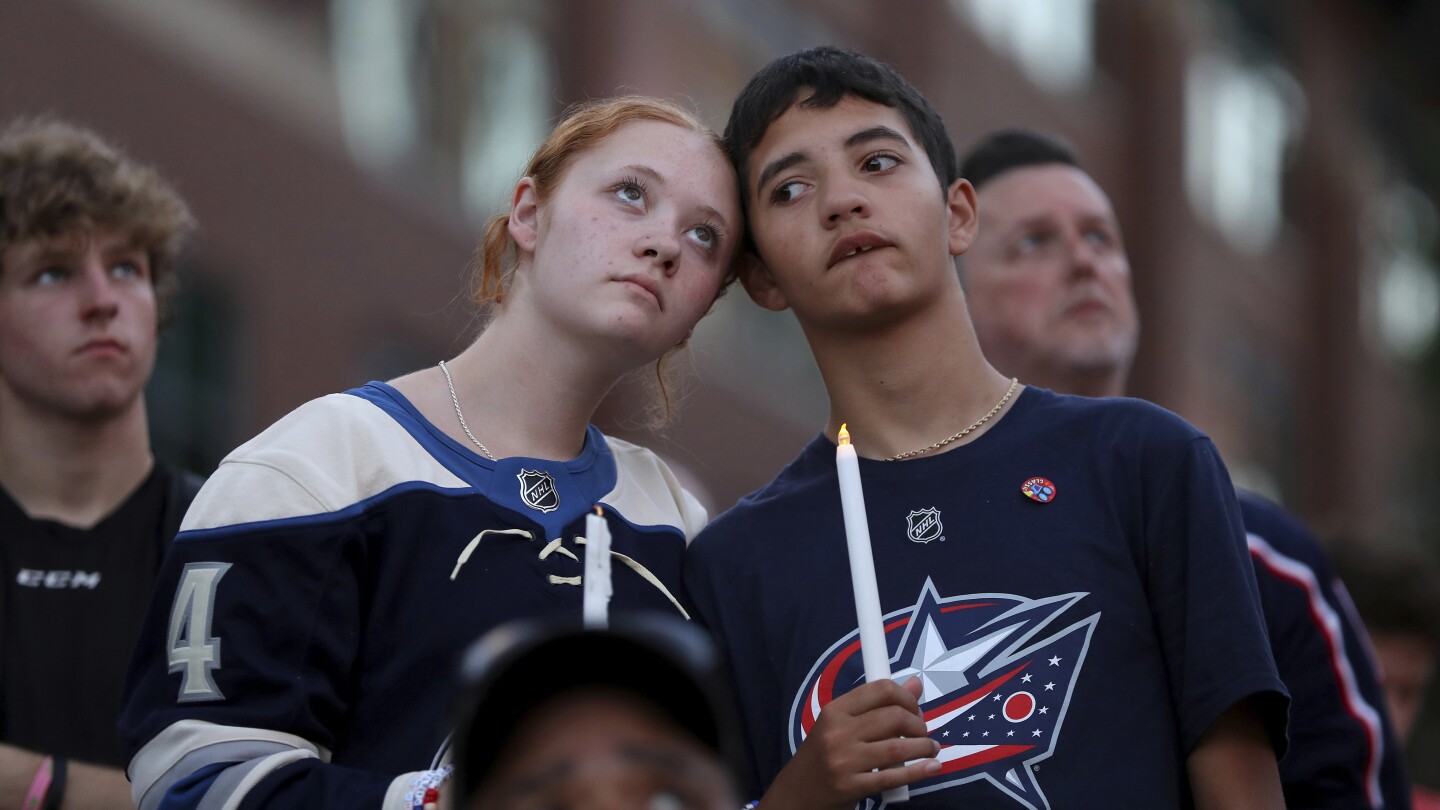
{"points": [[924, 525], [537, 490]]}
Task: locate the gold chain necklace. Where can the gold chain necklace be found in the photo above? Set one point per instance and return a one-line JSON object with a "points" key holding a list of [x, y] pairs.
{"points": [[1014, 381], [451, 385]]}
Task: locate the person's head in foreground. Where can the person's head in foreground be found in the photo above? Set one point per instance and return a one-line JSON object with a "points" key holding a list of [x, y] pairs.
{"points": [[559, 717], [1047, 279]]}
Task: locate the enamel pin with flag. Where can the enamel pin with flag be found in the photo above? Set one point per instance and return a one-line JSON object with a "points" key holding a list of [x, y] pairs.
{"points": [[1039, 489]]}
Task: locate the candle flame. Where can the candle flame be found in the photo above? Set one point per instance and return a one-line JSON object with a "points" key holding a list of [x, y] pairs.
{"points": [[844, 437], [599, 511]]}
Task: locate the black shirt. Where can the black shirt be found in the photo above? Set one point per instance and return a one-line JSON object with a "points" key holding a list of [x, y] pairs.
{"points": [[71, 604]]}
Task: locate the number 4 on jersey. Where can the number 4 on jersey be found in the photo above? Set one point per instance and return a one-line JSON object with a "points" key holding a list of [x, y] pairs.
{"points": [[193, 651]]}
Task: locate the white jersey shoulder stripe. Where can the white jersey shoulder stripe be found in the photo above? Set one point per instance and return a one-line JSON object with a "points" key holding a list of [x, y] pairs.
{"points": [[326, 455], [647, 493]]}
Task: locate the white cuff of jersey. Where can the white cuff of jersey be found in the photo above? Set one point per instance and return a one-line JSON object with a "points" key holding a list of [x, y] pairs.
{"points": [[187, 746], [399, 786]]}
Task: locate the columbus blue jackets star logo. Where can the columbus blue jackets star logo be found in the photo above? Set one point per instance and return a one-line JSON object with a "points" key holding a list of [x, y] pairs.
{"points": [[537, 490], [995, 691]]}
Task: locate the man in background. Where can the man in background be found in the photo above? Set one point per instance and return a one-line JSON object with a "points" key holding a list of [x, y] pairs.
{"points": [[1048, 284], [88, 247]]}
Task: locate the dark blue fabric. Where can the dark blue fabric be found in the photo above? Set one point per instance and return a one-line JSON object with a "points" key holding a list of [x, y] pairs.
{"points": [[1125, 607], [310, 783], [1343, 752], [189, 791]]}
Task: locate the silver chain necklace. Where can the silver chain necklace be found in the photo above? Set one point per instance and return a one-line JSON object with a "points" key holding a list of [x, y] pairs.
{"points": [[1014, 381], [485, 451]]}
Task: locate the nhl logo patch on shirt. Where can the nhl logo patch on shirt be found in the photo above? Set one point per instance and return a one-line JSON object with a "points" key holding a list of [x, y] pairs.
{"points": [[923, 525], [537, 490], [1039, 489]]}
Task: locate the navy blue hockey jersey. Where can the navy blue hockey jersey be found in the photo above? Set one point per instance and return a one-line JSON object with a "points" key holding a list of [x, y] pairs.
{"points": [[1072, 588], [300, 647]]}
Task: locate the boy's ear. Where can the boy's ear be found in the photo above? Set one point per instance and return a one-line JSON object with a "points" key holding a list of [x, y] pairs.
{"points": [[758, 281], [964, 215], [524, 225]]}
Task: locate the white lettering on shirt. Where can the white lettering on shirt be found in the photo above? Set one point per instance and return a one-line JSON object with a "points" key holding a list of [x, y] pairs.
{"points": [[31, 578]]}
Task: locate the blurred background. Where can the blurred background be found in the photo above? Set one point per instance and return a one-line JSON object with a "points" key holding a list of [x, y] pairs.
{"points": [[1275, 165]]}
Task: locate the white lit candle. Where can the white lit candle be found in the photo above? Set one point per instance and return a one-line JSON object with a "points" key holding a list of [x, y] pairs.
{"points": [[873, 650], [596, 581]]}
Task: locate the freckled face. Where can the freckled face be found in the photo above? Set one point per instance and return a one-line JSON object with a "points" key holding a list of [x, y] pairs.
{"points": [[848, 215], [78, 325], [1048, 281], [634, 242]]}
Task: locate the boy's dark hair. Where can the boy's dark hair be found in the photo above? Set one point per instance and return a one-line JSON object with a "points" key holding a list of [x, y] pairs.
{"points": [[1009, 149], [58, 180], [831, 74]]}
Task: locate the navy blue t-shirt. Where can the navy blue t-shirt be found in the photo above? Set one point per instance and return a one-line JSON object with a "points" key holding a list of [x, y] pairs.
{"points": [[1073, 644], [1343, 753]]}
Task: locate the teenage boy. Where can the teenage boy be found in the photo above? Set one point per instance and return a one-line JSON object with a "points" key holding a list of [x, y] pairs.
{"points": [[1064, 578], [88, 243], [1048, 282]]}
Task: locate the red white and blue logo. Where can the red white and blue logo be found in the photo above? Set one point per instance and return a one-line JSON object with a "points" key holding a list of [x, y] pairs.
{"points": [[1039, 489], [995, 691]]}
